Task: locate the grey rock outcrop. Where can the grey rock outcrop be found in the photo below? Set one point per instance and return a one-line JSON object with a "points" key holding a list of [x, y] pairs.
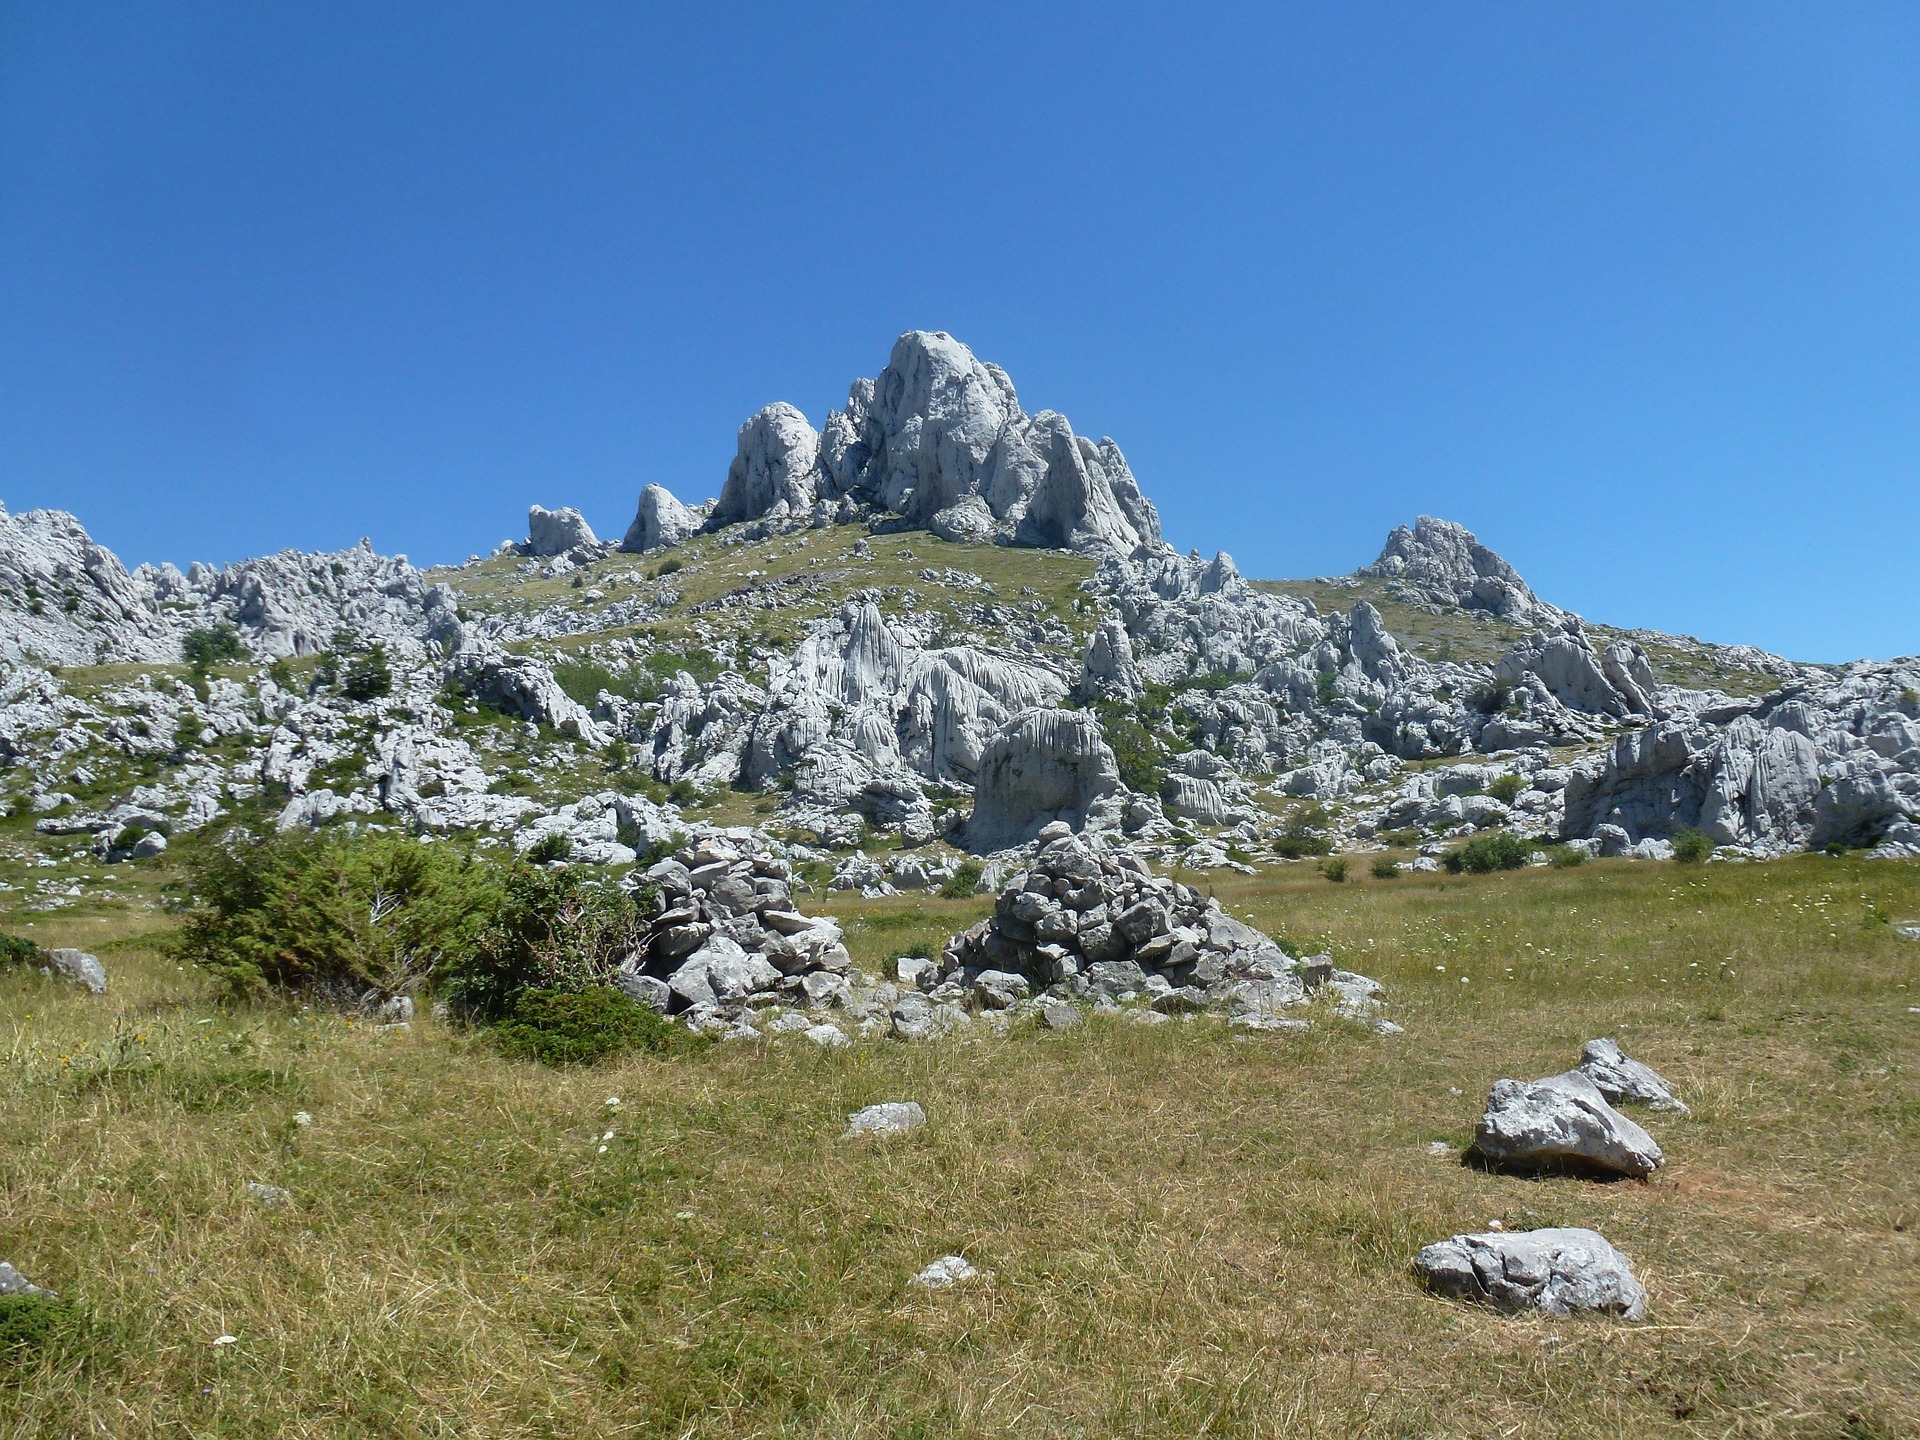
{"points": [[1623, 1080], [1043, 766], [521, 685], [1555, 1272], [775, 470], [1562, 1121], [555, 532], [1441, 563], [79, 967], [661, 520]]}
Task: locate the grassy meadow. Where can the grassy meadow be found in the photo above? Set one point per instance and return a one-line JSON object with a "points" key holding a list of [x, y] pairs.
{"points": [[1191, 1231]]}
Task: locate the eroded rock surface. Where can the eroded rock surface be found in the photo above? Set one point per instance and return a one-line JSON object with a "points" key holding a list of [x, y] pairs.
{"points": [[1548, 1272]]}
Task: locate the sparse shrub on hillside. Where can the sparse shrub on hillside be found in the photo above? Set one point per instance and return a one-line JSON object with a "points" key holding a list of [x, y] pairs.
{"points": [[1336, 869], [1910, 701], [1690, 847], [565, 929], [1324, 687], [963, 881], [210, 645], [672, 565], [1385, 867], [367, 676], [1482, 855], [1135, 751], [1565, 857], [1490, 698], [332, 916], [582, 1027], [554, 845], [1506, 788], [1303, 835]]}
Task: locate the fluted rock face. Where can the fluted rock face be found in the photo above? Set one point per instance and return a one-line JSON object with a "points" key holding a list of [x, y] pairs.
{"points": [[1044, 765], [662, 520], [1441, 562], [775, 467], [939, 440]]}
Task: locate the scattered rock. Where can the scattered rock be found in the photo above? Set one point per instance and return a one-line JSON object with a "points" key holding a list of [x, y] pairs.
{"points": [[80, 967], [949, 1270], [1562, 1121], [1623, 1080], [12, 1282], [555, 532], [268, 1194], [892, 1117], [1549, 1272]]}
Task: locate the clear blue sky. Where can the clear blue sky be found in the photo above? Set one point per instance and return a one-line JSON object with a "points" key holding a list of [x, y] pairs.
{"points": [[1631, 290]]}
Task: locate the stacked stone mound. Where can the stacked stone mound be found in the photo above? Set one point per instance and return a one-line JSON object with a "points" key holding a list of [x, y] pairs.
{"points": [[727, 939], [1083, 923]]}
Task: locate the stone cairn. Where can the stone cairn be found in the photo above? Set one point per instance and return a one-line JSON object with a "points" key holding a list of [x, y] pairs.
{"points": [[1082, 923], [727, 938]]}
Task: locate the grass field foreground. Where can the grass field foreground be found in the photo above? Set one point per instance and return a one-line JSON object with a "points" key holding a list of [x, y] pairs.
{"points": [[1191, 1231]]}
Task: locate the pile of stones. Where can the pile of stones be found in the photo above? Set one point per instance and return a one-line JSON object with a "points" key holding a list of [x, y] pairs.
{"points": [[1083, 923], [727, 938]]}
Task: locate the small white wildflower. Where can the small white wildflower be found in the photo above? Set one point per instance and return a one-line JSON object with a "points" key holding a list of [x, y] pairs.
{"points": [[607, 1136], [226, 1339], [603, 1150], [613, 1102], [302, 1118]]}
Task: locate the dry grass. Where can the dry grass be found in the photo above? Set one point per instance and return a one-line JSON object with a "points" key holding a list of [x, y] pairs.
{"points": [[1192, 1232]]}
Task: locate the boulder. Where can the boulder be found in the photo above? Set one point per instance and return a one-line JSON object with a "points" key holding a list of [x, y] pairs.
{"points": [[1562, 1121], [1547, 1272], [774, 470], [661, 520], [80, 967], [949, 1270], [12, 1282], [1624, 1080], [555, 532]]}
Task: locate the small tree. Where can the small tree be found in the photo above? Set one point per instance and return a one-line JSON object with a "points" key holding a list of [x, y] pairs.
{"points": [[1385, 867], [1691, 847], [210, 645]]}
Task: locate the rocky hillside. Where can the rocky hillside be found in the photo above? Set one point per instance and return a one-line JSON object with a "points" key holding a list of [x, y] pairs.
{"points": [[934, 625]]}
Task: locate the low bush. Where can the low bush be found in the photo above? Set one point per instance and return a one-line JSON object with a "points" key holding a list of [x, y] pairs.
{"points": [[1385, 867], [963, 881], [1506, 788], [563, 930], [1690, 847], [554, 845], [1565, 857], [210, 645], [18, 950], [1482, 855], [1336, 869], [583, 1027], [331, 916]]}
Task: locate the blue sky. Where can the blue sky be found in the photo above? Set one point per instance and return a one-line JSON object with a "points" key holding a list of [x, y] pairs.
{"points": [[1631, 290]]}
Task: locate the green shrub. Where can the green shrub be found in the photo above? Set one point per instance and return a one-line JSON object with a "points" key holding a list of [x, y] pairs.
{"points": [[1490, 698], [367, 676], [672, 565], [963, 881], [1565, 857], [1136, 751], [1324, 687], [554, 845], [1690, 847], [564, 930], [18, 950], [1385, 867], [281, 673], [1506, 788], [1303, 835], [1482, 855], [582, 1027], [210, 645], [335, 916], [1336, 869]]}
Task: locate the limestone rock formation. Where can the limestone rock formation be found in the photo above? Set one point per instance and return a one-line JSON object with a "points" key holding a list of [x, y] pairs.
{"points": [[1441, 563], [1042, 766], [775, 469], [1562, 1271], [555, 532], [662, 520]]}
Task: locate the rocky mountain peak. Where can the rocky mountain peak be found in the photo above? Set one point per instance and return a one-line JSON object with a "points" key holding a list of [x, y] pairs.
{"points": [[1440, 563], [938, 441]]}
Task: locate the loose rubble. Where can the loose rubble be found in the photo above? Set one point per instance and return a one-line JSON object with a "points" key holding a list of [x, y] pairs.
{"points": [[949, 1270]]}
